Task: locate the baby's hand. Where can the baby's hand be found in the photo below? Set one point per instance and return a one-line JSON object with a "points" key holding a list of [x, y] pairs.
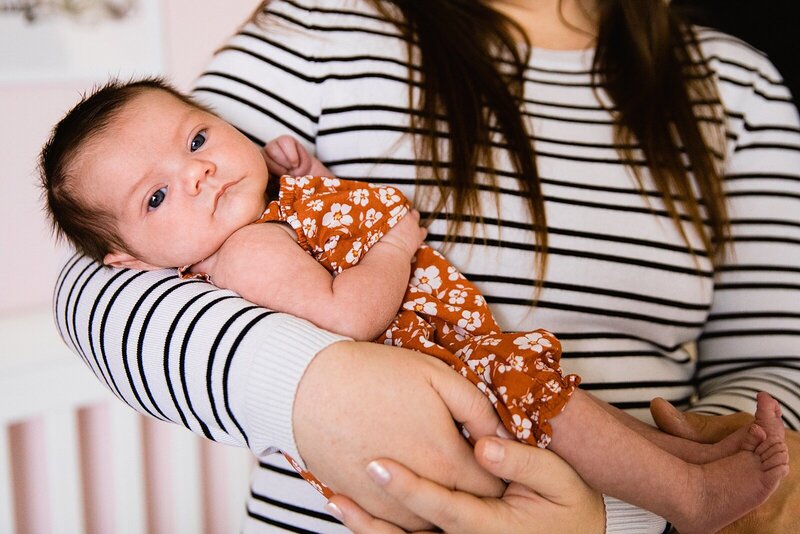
{"points": [[407, 234], [285, 155]]}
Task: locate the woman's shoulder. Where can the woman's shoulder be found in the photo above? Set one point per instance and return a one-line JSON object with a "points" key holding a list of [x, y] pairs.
{"points": [[321, 17], [731, 56], [746, 78]]}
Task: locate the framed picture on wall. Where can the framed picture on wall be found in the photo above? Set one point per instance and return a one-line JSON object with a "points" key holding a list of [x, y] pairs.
{"points": [[59, 40]]}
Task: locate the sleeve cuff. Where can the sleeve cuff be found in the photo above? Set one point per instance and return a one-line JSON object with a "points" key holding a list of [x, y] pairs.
{"points": [[275, 372], [622, 517]]}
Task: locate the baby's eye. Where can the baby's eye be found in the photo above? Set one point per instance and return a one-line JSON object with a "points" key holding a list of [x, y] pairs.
{"points": [[198, 141], [156, 199]]}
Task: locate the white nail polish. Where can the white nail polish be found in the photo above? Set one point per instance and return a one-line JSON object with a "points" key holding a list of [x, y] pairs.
{"points": [[334, 510], [378, 473]]}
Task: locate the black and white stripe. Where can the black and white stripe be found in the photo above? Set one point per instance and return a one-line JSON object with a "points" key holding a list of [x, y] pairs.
{"points": [[638, 315]]}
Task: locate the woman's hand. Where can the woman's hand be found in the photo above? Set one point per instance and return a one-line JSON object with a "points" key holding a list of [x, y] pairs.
{"points": [[780, 513], [360, 401], [545, 495]]}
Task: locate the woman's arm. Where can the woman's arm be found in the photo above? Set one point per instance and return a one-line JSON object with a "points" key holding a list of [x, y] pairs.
{"points": [[751, 341]]}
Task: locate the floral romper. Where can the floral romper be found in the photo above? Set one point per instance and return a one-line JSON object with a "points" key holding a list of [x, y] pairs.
{"points": [[442, 314]]}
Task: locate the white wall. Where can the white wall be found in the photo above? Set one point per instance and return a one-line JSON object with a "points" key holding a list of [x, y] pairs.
{"points": [[29, 259]]}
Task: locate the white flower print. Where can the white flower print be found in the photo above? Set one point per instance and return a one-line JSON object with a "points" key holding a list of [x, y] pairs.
{"points": [[490, 341], [530, 341], [479, 301], [315, 204], [317, 486], [456, 296], [517, 363], [503, 392], [359, 197], [452, 273], [482, 367], [465, 354], [425, 342], [371, 217], [331, 243], [421, 305], [459, 333], [299, 181], [337, 216], [470, 321], [488, 392], [427, 279], [388, 196], [521, 427], [354, 254], [553, 386], [330, 182], [309, 227]]}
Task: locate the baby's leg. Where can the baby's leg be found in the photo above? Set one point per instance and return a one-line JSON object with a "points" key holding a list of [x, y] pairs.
{"points": [[695, 498], [685, 449]]}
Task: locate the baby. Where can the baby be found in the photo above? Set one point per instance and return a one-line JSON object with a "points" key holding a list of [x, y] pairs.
{"points": [[139, 176]]}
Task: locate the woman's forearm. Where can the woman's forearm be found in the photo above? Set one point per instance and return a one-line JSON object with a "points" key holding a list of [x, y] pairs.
{"points": [[360, 401]]}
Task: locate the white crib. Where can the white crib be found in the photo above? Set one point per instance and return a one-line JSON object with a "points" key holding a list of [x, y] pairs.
{"points": [[74, 459]]}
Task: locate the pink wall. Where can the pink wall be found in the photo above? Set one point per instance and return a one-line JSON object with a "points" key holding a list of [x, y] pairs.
{"points": [[29, 259]]}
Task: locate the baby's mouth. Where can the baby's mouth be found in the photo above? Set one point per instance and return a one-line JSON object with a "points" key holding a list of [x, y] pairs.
{"points": [[221, 192]]}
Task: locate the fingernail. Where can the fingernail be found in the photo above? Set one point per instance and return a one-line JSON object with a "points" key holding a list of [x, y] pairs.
{"points": [[334, 510], [378, 473], [494, 451], [502, 432]]}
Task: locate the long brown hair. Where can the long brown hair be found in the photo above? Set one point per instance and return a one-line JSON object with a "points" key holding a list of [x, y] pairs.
{"points": [[645, 54]]}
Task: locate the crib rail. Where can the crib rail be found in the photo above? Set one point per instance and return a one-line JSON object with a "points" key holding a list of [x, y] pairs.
{"points": [[98, 466]]}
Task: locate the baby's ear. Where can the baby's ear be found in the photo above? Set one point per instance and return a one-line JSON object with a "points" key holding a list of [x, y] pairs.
{"points": [[123, 260]]}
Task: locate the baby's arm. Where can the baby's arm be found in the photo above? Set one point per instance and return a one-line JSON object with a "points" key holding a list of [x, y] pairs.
{"points": [[285, 155], [265, 265]]}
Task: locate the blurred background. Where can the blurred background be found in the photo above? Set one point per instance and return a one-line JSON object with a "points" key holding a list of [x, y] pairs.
{"points": [[70, 460]]}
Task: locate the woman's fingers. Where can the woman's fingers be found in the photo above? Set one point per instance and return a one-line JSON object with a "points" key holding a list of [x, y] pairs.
{"points": [[526, 465], [466, 403], [450, 510], [356, 519]]}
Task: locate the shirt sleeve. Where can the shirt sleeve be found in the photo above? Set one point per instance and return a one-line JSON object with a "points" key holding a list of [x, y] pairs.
{"points": [[751, 341], [186, 352]]}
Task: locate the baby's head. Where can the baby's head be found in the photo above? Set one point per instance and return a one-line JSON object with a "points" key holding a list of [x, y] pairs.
{"points": [[139, 175]]}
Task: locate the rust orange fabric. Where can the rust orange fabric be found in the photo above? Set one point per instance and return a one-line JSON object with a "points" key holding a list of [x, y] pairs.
{"points": [[443, 314]]}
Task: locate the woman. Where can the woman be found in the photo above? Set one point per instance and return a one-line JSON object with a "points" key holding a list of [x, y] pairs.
{"points": [[628, 277]]}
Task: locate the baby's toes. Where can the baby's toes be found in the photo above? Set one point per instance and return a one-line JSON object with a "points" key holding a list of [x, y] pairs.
{"points": [[768, 411], [768, 443], [754, 437], [775, 456]]}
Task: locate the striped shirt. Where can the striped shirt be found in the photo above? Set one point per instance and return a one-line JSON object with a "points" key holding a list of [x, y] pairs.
{"points": [[636, 316]]}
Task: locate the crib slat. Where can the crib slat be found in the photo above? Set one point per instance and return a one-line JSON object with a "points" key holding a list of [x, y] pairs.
{"points": [[239, 465], [127, 466], [65, 494], [185, 456], [6, 487]]}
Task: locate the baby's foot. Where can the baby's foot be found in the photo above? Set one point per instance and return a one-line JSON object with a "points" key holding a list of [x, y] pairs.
{"points": [[738, 483]]}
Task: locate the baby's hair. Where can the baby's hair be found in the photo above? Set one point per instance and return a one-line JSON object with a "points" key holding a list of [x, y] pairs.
{"points": [[90, 229]]}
